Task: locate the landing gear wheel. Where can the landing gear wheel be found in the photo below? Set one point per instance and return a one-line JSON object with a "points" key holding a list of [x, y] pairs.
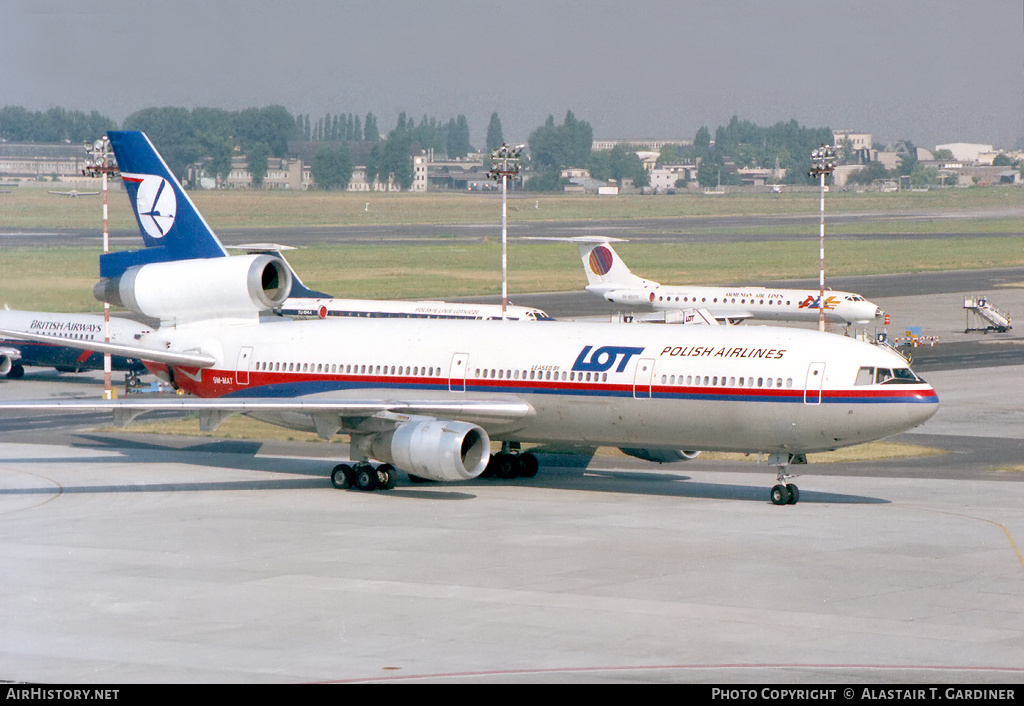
{"points": [[386, 476], [506, 465], [365, 478], [780, 495], [528, 465], [794, 494], [341, 476]]}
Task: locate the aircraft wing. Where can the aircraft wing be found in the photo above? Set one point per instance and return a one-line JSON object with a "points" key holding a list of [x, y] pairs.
{"points": [[329, 415], [194, 359]]}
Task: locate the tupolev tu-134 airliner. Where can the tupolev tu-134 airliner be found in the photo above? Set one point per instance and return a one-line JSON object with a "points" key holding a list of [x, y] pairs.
{"points": [[429, 396], [609, 278]]}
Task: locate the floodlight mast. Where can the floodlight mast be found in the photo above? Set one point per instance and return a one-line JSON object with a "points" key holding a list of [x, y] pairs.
{"points": [[101, 163], [504, 164], [823, 161]]}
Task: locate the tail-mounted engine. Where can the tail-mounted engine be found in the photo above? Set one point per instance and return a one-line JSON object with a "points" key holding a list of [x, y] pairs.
{"points": [[437, 449], [661, 455], [192, 290]]}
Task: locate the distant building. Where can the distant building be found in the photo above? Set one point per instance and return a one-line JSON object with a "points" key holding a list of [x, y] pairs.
{"points": [[287, 174], [31, 160], [859, 143], [966, 151], [666, 177], [654, 145]]}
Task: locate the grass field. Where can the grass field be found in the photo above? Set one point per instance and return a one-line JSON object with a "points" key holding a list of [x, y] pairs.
{"points": [[31, 207], [61, 279]]}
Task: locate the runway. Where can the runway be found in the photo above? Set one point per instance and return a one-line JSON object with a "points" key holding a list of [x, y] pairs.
{"points": [[133, 558]]}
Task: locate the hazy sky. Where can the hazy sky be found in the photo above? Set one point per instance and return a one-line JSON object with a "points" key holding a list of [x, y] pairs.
{"points": [[932, 71]]}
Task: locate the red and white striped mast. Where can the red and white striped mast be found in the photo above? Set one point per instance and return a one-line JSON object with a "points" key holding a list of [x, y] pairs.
{"points": [[101, 163], [823, 161]]}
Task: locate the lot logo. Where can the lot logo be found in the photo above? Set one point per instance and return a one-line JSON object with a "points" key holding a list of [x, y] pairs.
{"points": [[156, 205], [604, 358], [601, 260]]}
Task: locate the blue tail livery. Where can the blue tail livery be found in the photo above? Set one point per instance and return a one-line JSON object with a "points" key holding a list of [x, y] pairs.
{"points": [[170, 223]]}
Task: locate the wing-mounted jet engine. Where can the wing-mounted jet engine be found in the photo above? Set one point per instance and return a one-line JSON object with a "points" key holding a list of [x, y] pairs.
{"points": [[8, 358], [426, 448], [192, 290]]}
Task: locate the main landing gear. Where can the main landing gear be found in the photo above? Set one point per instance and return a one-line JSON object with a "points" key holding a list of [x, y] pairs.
{"points": [[509, 463], [363, 476], [784, 492]]}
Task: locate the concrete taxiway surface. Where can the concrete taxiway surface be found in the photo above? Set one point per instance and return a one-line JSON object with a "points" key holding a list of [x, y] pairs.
{"points": [[129, 558]]}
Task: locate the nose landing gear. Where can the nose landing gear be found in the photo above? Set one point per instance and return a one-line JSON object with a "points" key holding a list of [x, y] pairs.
{"points": [[784, 492]]}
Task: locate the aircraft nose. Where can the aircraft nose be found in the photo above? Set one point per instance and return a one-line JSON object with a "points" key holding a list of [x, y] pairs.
{"points": [[926, 407], [878, 312]]}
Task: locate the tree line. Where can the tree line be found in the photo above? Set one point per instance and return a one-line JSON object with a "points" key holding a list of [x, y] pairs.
{"points": [[213, 135]]}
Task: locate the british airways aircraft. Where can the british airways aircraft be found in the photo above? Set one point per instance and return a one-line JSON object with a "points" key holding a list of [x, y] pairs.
{"points": [[429, 396], [16, 353], [608, 277]]}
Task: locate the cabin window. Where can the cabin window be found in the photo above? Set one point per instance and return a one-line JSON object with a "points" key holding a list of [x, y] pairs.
{"points": [[760, 382], [732, 382], [789, 382]]}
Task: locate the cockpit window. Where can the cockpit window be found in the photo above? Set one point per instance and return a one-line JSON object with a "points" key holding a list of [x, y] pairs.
{"points": [[902, 376], [886, 376]]}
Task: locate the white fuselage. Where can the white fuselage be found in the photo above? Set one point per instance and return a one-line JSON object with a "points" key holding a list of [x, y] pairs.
{"points": [[749, 302], [301, 307], [747, 389]]}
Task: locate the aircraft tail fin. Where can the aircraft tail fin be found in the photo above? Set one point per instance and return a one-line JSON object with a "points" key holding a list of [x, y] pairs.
{"points": [[170, 224], [604, 268]]}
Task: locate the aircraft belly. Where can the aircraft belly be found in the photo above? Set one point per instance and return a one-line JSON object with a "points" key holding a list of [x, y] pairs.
{"points": [[711, 426]]}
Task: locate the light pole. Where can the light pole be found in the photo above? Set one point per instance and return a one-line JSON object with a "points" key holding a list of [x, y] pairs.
{"points": [[504, 164], [101, 163], [823, 161]]}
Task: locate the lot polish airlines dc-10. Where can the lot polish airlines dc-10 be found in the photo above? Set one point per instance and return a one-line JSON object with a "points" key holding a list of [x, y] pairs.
{"points": [[429, 396], [609, 278]]}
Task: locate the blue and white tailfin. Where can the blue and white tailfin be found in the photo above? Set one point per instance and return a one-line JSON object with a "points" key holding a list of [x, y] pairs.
{"points": [[604, 268], [169, 222]]}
